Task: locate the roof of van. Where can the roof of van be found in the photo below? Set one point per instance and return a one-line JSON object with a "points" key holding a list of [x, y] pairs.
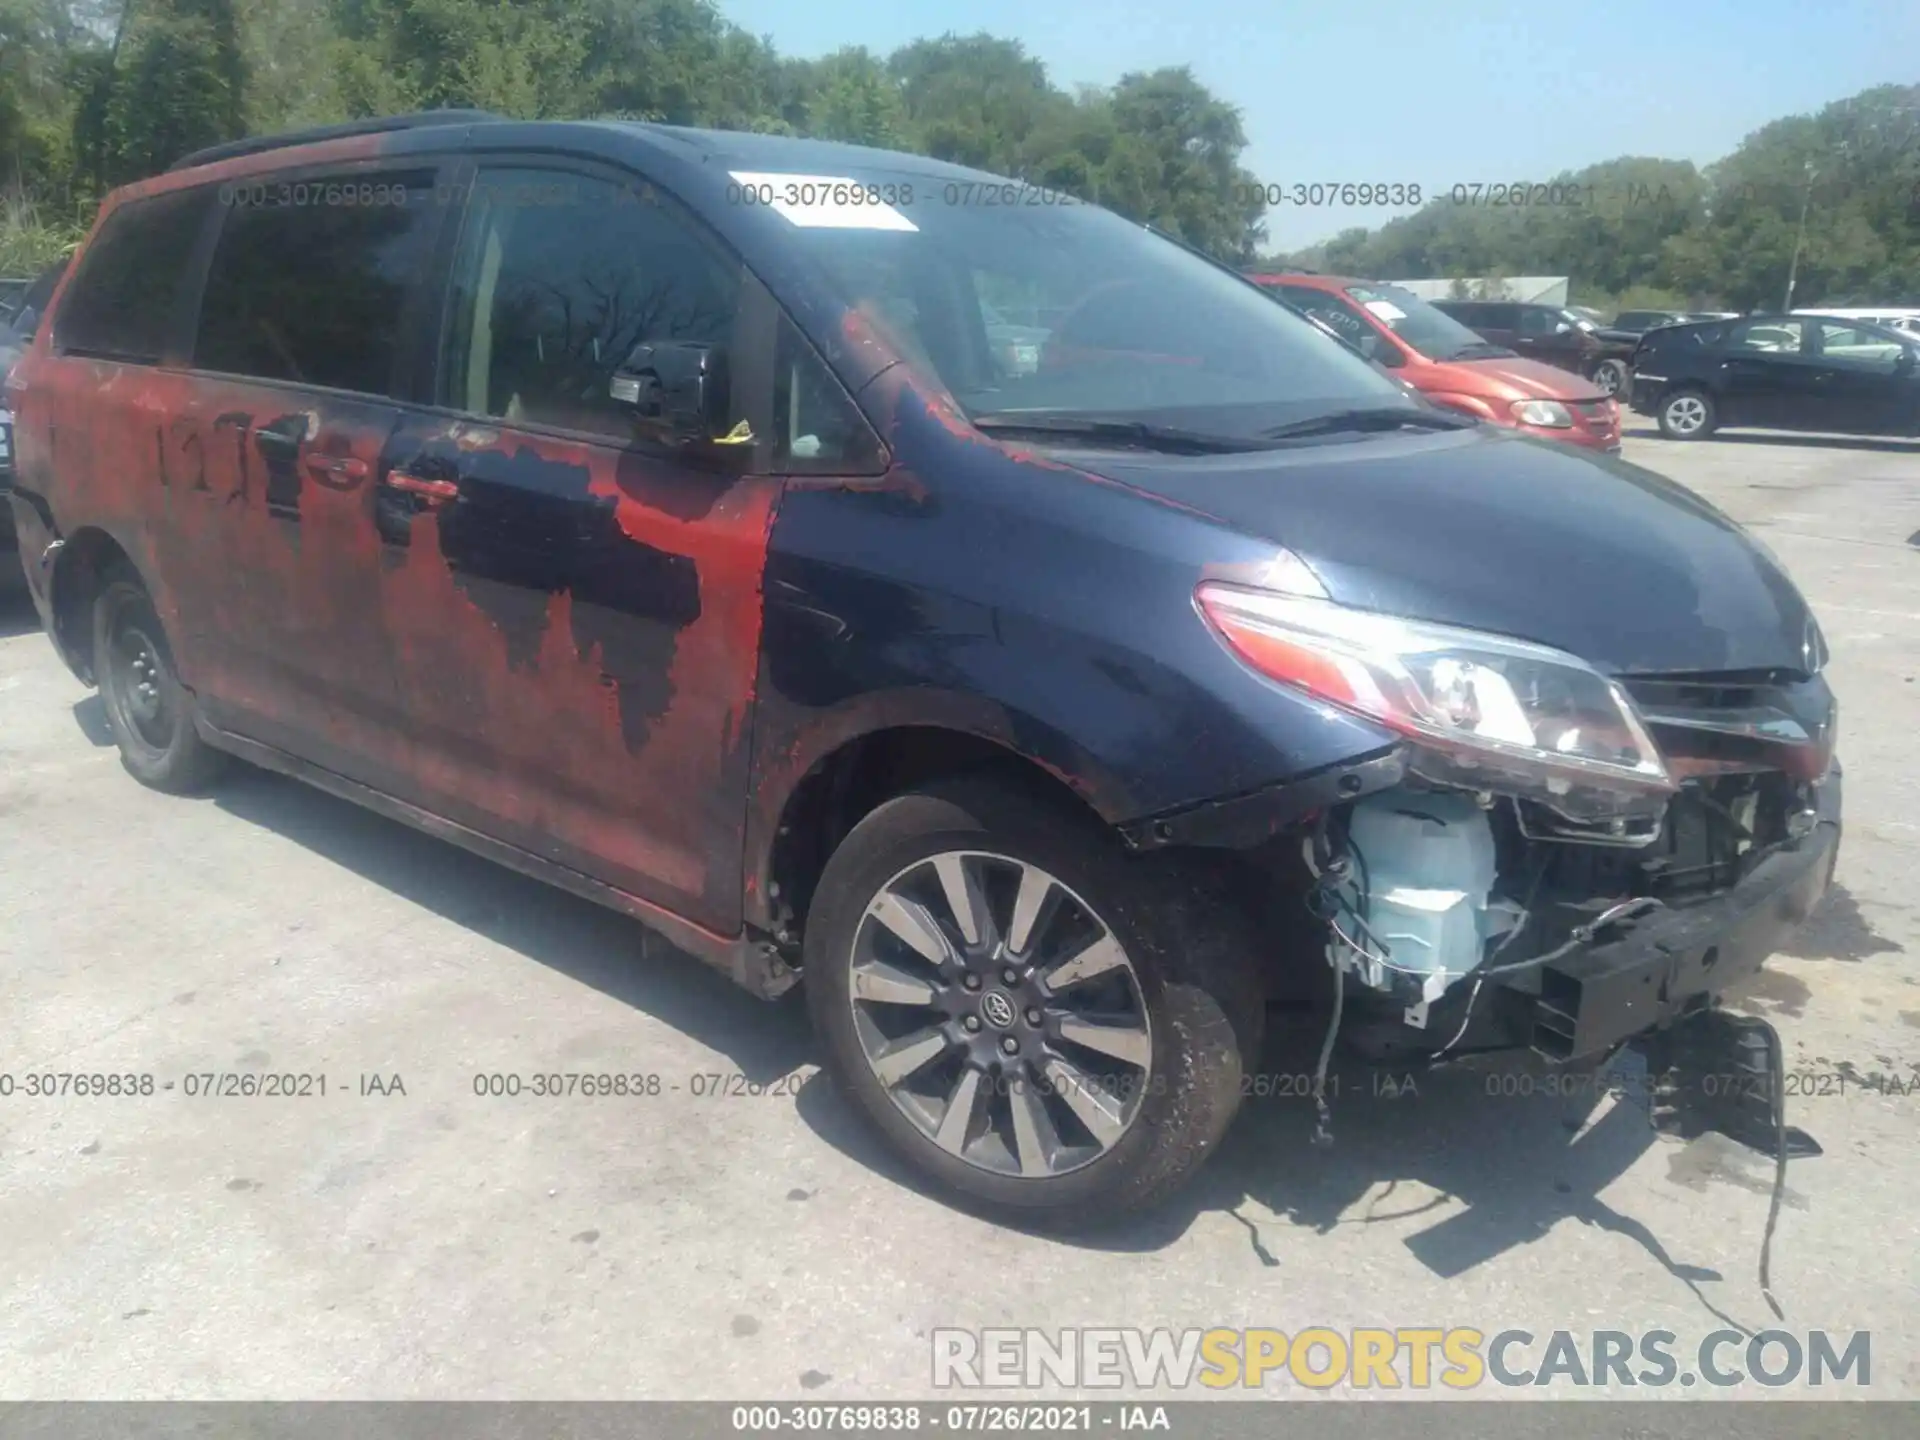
{"points": [[790, 152], [740, 149]]}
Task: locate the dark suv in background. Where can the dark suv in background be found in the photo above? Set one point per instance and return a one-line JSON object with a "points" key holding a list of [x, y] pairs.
{"points": [[664, 513], [1551, 333], [20, 319]]}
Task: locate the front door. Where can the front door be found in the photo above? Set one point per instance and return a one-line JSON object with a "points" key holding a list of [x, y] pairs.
{"points": [[576, 609], [1767, 377], [1869, 388], [299, 359]]}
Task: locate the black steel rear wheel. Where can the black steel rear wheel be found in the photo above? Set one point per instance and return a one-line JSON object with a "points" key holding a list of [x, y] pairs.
{"points": [[149, 712]]}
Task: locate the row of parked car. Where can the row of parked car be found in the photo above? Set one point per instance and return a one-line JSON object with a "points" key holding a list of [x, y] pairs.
{"points": [[1554, 372]]}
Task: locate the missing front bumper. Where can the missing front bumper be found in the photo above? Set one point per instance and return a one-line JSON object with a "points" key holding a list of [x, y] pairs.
{"points": [[1672, 964]]}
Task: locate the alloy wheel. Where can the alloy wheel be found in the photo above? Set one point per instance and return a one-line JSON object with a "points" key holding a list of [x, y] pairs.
{"points": [[1610, 376], [1686, 414], [1001, 1014]]}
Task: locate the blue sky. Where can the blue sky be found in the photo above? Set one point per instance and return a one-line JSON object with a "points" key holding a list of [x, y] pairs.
{"points": [[1406, 91]]}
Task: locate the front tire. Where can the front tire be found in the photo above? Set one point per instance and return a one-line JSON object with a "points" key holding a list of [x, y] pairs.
{"points": [[1687, 415], [1611, 377], [149, 711], [1045, 1026]]}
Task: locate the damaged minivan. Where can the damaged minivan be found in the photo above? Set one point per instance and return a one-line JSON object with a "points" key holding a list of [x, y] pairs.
{"points": [[666, 514]]}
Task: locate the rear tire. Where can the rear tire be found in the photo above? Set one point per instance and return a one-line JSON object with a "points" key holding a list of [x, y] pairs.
{"points": [[1687, 415], [1048, 1129], [150, 712]]}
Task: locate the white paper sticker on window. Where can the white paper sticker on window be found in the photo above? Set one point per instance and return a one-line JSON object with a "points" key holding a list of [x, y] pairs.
{"points": [[818, 202], [1386, 310]]}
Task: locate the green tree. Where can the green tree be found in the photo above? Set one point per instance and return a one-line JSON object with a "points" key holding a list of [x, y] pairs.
{"points": [[977, 100], [174, 80], [851, 96], [680, 62], [516, 57]]}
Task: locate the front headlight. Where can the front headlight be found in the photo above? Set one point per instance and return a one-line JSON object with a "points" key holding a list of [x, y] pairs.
{"points": [[1550, 414], [1485, 710]]}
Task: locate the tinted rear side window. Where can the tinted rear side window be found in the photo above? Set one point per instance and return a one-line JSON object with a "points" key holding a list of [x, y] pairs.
{"points": [[311, 286], [122, 303]]}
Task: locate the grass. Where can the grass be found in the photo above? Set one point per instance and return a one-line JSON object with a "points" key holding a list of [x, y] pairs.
{"points": [[34, 233]]}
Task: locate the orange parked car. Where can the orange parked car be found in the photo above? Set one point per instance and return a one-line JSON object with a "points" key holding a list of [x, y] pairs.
{"points": [[1450, 364]]}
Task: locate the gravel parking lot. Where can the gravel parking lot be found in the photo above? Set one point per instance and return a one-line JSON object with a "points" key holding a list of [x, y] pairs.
{"points": [[735, 1235]]}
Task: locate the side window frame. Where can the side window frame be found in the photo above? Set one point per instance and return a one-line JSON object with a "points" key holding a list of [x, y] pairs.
{"points": [[435, 362], [1733, 342], [1537, 321], [417, 310], [753, 344], [1817, 332], [176, 346]]}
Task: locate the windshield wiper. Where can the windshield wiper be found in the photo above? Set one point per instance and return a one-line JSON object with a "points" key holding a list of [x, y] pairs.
{"points": [[1384, 417], [1122, 432]]}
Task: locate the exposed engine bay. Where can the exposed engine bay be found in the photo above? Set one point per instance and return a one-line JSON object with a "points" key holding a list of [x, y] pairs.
{"points": [[1432, 894]]}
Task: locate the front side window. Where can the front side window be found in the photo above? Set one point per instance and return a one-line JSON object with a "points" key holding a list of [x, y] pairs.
{"points": [[818, 430], [1768, 337], [1858, 347], [1050, 311], [560, 276], [122, 302], [1538, 320], [310, 286]]}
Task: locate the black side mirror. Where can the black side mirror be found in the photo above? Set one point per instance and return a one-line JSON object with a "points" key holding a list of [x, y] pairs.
{"points": [[677, 388]]}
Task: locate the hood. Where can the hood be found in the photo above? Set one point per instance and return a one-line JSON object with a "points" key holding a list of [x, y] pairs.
{"points": [[1492, 531], [1511, 377]]}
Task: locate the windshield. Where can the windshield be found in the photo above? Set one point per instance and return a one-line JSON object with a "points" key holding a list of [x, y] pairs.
{"points": [[1113, 321], [1433, 333]]}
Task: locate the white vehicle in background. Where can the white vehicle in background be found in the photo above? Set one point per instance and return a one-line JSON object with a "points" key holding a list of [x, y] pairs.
{"points": [[1893, 317]]}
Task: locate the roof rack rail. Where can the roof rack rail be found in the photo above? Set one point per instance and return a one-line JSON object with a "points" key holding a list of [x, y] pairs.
{"points": [[379, 126]]}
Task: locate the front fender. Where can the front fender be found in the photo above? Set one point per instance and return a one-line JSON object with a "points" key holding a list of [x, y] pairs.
{"points": [[1028, 604]]}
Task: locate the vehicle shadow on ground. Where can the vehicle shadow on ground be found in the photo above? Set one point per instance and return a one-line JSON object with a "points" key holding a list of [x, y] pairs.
{"points": [[1519, 1164], [1789, 439], [586, 942]]}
